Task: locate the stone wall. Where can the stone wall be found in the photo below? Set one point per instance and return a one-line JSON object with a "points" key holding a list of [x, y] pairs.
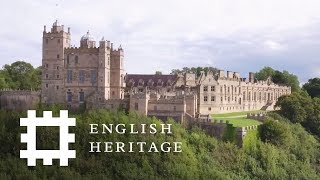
{"points": [[261, 116], [19, 100]]}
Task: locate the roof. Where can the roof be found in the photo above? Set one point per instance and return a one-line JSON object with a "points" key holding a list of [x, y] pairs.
{"points": [[149, 80], [87, 37]]}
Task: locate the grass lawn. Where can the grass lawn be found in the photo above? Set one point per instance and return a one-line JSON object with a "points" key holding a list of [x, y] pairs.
{"points": [[237, 121], [240, 122], [243, 113]]}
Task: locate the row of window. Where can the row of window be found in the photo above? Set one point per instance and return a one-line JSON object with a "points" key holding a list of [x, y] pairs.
{"points": [[205, 88], [82, 76], [70, 96], [205, 98], [47, 66]]}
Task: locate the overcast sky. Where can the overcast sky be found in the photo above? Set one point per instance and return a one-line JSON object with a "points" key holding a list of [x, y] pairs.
{"points": [[235, 35]]}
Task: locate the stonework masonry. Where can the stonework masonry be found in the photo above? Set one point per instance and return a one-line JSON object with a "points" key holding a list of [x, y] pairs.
{"points": [[93, 75], [73, 75]]}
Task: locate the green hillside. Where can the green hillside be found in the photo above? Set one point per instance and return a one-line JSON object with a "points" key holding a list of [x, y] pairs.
{"points": [[291, 154]]}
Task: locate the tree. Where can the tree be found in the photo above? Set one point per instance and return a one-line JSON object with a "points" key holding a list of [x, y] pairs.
{"points": [[297, 107], [158, 73], [3, 83], [21, 75], [278, 77], [274, 132], [195, 70], [313, 87], [264, 73]]}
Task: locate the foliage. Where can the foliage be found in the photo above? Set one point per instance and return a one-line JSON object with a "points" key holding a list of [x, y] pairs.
{"points": [[20, 75], [278, 77], [301, 108], [274, 132], [313, 87], [195, 70], [296, 107], [203, 157], [230, 134]]}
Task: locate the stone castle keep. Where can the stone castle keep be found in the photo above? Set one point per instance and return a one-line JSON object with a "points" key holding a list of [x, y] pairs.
{"points": [[92, 75]]}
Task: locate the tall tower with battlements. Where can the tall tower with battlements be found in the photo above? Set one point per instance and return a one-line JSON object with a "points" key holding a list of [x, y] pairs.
{"points": [[53, 44], [117, 83]]}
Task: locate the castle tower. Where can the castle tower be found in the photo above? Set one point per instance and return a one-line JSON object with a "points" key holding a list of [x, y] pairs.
{"points": [[117, 83], [104, 69], [53, 44]]}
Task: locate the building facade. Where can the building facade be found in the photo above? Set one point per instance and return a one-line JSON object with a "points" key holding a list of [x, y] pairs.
{"points": [[94, 75], [74, 75]]}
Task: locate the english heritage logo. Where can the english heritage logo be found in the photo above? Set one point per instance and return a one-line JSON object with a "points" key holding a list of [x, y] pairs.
{"points": [[63, 122]]}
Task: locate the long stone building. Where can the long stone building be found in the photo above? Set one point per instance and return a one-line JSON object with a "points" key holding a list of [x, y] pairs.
{"points": [[93, 76]]}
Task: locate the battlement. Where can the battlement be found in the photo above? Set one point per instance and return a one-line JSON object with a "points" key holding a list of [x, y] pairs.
{"points": [[56, 28], [91, 50], [11, 92], [261, 116]]}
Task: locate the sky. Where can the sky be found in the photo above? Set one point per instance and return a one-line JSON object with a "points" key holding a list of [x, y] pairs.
{"points": [[235, 35]]}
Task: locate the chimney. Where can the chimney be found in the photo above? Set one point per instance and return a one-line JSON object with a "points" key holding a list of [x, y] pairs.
{"points": [[221, 73], [251, 77]]}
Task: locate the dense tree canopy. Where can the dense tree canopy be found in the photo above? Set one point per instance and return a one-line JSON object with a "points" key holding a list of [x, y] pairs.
{"points": [[20, 75], [278, 77], [203, 157], [313, 87], [299, 107]]}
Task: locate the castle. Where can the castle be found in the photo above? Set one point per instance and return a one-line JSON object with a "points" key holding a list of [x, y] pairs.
{"points": [[93, 76], [71, 75]]}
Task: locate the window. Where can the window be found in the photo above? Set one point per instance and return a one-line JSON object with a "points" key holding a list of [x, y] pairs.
{"points": [[174, 108], [205, 88], [47, 76], [209, 108], [140, 90], [58, 76], [81, 96], [68, 59], [221, 89], [136, 106], [205, 98], [47, 65], [228, 89], [69, 96], [57, 67], [47, 85], [47, 41], [69, 76], [58, 41], [213, 88], [76, 59], [81, 76], [221, 99], [93, 76], [213, 98], [57, 87], [58, 56]]}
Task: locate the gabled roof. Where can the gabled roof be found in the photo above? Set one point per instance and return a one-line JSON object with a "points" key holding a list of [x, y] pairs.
{"points": [[132, 80]]}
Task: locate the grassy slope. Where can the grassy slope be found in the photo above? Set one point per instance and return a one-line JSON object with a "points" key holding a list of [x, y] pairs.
{"points": [[238, 119]]}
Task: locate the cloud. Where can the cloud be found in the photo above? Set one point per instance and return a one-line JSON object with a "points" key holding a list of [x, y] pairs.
{"points": [[242, 35]]}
